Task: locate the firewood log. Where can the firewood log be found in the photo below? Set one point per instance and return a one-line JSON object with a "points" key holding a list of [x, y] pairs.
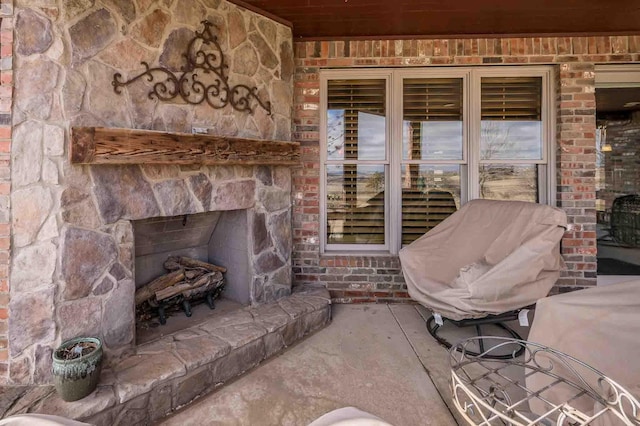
{"points": [[169, 292], [147, 291], [192, 274], [211, 285], [174, 290], [171, 265]]}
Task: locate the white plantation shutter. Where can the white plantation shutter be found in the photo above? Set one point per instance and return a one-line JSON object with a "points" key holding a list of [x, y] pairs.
{"points": [[511, 98], [403, 148], [356, 214], [426, 100]]}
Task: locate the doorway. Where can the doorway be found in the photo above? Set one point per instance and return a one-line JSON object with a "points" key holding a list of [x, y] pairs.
{"points": [[618, 172]]}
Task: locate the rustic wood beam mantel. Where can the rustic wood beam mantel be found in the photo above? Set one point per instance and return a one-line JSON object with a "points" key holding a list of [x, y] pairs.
{"points": [[101, 145]]}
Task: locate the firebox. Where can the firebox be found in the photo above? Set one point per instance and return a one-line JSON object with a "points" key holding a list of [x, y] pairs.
{"points": [[218, 238]]}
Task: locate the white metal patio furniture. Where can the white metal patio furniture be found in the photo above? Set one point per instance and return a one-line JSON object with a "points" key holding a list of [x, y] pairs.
{"points": [[541, 387]]}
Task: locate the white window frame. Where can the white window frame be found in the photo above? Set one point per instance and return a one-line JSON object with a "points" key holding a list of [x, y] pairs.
{"points": [[398, 161], [325, 76], [546, 165], [471, 136]]}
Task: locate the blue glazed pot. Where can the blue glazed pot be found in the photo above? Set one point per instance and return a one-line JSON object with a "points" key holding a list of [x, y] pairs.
{"points": [[76, 378]]}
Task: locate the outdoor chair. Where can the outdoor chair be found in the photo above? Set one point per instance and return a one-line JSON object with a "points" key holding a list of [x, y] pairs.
{"points": [[625, 220], [348, 416], [484, 263]]}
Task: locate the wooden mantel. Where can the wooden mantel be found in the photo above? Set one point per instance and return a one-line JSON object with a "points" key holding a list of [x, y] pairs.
{"points": [[101, 145]]}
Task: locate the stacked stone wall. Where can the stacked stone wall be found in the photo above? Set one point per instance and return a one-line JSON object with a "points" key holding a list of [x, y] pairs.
{"points": [[72, 270], [6, 101]]}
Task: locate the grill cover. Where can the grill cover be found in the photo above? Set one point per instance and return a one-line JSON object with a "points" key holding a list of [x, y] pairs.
{"points": [[487, 258], [599, 326]]}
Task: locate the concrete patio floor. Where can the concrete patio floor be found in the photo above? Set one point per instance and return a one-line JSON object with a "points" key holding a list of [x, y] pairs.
{"points": [[378, 358]]}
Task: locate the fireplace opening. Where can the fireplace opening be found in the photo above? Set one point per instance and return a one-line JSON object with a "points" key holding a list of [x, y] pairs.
{"points": [[218, 238]]}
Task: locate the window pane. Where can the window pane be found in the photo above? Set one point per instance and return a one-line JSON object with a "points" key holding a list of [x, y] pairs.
{"points": [[439, 140], [356, 124], [355, 204], [432, 119], [511, 140], [506, 182], [511, 126], [429, 195]]}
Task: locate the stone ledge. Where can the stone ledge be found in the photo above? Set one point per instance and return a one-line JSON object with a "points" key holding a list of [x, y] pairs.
{"points": [[171, 372]]}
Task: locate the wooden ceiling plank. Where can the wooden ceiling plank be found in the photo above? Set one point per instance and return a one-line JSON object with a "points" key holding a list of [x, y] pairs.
{"points": [[263, 12], [343, 19]]}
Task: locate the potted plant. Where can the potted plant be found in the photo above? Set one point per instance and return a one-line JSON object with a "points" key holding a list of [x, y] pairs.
{"points": [[76, 367]]}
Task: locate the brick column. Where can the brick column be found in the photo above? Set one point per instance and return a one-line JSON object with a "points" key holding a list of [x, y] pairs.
{"points": [[6, 99], [306, 180], [576, 172]]}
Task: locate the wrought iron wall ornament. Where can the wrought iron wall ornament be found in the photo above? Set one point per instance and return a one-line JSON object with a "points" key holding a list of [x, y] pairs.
{"points": [[189, 86]]}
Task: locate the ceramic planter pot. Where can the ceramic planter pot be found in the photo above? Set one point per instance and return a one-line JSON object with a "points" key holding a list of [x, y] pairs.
{"points": [[76, 367]]}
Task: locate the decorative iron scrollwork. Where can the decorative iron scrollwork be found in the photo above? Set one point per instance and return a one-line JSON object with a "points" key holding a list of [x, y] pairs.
{"points": [[204, 58]]}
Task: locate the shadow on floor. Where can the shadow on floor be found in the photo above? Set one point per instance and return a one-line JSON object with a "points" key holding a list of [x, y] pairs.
{"points": [[377, 358]]}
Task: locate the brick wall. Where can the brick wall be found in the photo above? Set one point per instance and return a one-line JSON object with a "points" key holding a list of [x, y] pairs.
{"points": [[6, 93], [378, 278], [576, 157]]}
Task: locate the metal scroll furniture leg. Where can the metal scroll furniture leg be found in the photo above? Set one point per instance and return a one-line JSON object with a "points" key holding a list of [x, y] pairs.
{"points": [[162, 314], [210, 301], [186, 306]]}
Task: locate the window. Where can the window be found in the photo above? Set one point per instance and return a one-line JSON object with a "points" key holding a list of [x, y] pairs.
{"points": [[356, 167], [511, 138], [403, 149], [432, 152]]}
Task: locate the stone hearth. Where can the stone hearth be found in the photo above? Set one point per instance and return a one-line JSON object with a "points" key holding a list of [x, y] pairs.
{"points": [[166, 374]]}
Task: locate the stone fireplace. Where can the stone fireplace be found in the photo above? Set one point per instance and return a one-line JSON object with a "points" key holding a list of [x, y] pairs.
{"points": [[255, 250], [73, 245], [254, 245], [98, 246], [235, 216], [99, 264]]}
